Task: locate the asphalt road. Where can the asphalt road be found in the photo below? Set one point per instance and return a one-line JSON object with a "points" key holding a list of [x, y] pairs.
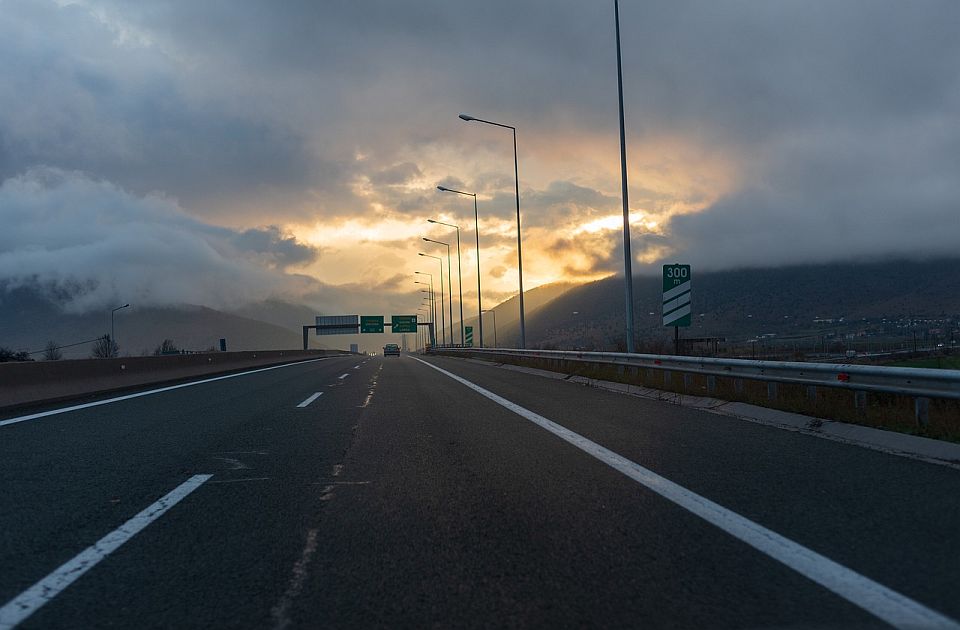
{"points": [[403, 497]]}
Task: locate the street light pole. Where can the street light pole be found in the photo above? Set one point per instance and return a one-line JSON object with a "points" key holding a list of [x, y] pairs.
{"points": [[430, 301], [113, 339], [516, 176], [433, 306], [476, 229], [459, 274], [627, 256], [494, 326], [449, 283], [443, 323]]}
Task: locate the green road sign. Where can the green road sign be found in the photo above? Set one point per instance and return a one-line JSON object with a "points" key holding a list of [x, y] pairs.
{"points": [[371, 323], [468, 336], [404, 323], [676, 295]]}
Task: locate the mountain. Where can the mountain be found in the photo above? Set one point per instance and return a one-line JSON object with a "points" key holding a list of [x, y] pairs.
{"points": [[279, 313], [745, 303], [28, 321], [508, 314]]}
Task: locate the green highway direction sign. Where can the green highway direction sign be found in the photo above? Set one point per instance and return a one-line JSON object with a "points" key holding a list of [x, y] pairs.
{"points": [[371, 323], [402, 324], [468, 336], [676, 295]]}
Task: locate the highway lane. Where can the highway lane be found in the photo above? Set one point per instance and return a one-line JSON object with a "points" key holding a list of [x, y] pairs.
{"points": [[71, 478], [892, 518], [491, 520], [424, 503]]}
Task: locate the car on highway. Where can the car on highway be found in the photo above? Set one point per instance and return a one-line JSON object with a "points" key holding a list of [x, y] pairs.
{"points": [[391, 348]]}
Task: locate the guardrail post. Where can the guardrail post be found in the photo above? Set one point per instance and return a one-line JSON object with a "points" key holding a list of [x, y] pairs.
{"points": [[667, 377], [711, 384], [772, 390], [738, 385], [921, 409], [812, 393], [687, 381]]}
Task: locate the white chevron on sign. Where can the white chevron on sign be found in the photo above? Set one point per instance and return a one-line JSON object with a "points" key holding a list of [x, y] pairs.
{"points": [[675, 291], [676, 303], [675, 315]]}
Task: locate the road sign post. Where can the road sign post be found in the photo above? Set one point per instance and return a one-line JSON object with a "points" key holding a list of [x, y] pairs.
{"points": [[371, 323], [676, 299]]}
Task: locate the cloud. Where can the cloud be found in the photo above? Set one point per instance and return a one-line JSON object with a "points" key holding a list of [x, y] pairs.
{"points": [[275, 249], [396, 174], [757, 132], [89, 244]]}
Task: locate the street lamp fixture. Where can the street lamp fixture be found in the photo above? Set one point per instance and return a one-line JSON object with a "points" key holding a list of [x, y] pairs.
{"points": [[433, 305], [449, 283], [516, 175], [627, 256], [443, 323], [113, 339], [459, 274], [476, 228]]}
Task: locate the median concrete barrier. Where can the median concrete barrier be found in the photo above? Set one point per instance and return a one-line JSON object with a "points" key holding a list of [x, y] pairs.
{"points": [[27, 383]]}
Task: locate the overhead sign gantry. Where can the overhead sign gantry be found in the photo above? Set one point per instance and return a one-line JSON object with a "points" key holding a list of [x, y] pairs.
{"points": [[365, 324]]}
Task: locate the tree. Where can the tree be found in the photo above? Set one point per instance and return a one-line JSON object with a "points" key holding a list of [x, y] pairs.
{"points": [[6, 354], [166, 347], [51, 352], [105, 348]]}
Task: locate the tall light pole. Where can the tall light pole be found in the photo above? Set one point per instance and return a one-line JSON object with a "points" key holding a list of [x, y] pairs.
{"points": [[430, 297], [433, 297], [113, 339], [449, 282], [627, 262], [459, 275], [476, 229], [443, 323], [432, 303], [433, 309], [516, 176], [430, 309], [421, 312], [494, 325]]}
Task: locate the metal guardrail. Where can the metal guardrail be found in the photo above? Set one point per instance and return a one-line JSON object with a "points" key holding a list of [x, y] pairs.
{"points": [[916, 382]]}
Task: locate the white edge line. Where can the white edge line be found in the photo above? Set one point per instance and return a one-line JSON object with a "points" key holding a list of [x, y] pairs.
{"points": [[876, 599], [97, 403], [29, 601], [310, 399]]}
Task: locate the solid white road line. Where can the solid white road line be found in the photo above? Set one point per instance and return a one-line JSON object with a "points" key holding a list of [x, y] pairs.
{"points": [[343, 376], [876, 599], [309, 400], [53, 412], [29, 601]]}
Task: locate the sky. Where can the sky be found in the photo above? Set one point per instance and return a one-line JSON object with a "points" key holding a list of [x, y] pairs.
{"points": [[225, 152]]}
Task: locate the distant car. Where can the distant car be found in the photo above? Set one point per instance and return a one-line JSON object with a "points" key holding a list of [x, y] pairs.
{"points": [[391, 348]]}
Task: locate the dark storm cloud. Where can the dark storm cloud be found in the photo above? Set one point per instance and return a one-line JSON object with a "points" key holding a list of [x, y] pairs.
{"points": [[838, 119], [75, 99], [274, 248]]}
